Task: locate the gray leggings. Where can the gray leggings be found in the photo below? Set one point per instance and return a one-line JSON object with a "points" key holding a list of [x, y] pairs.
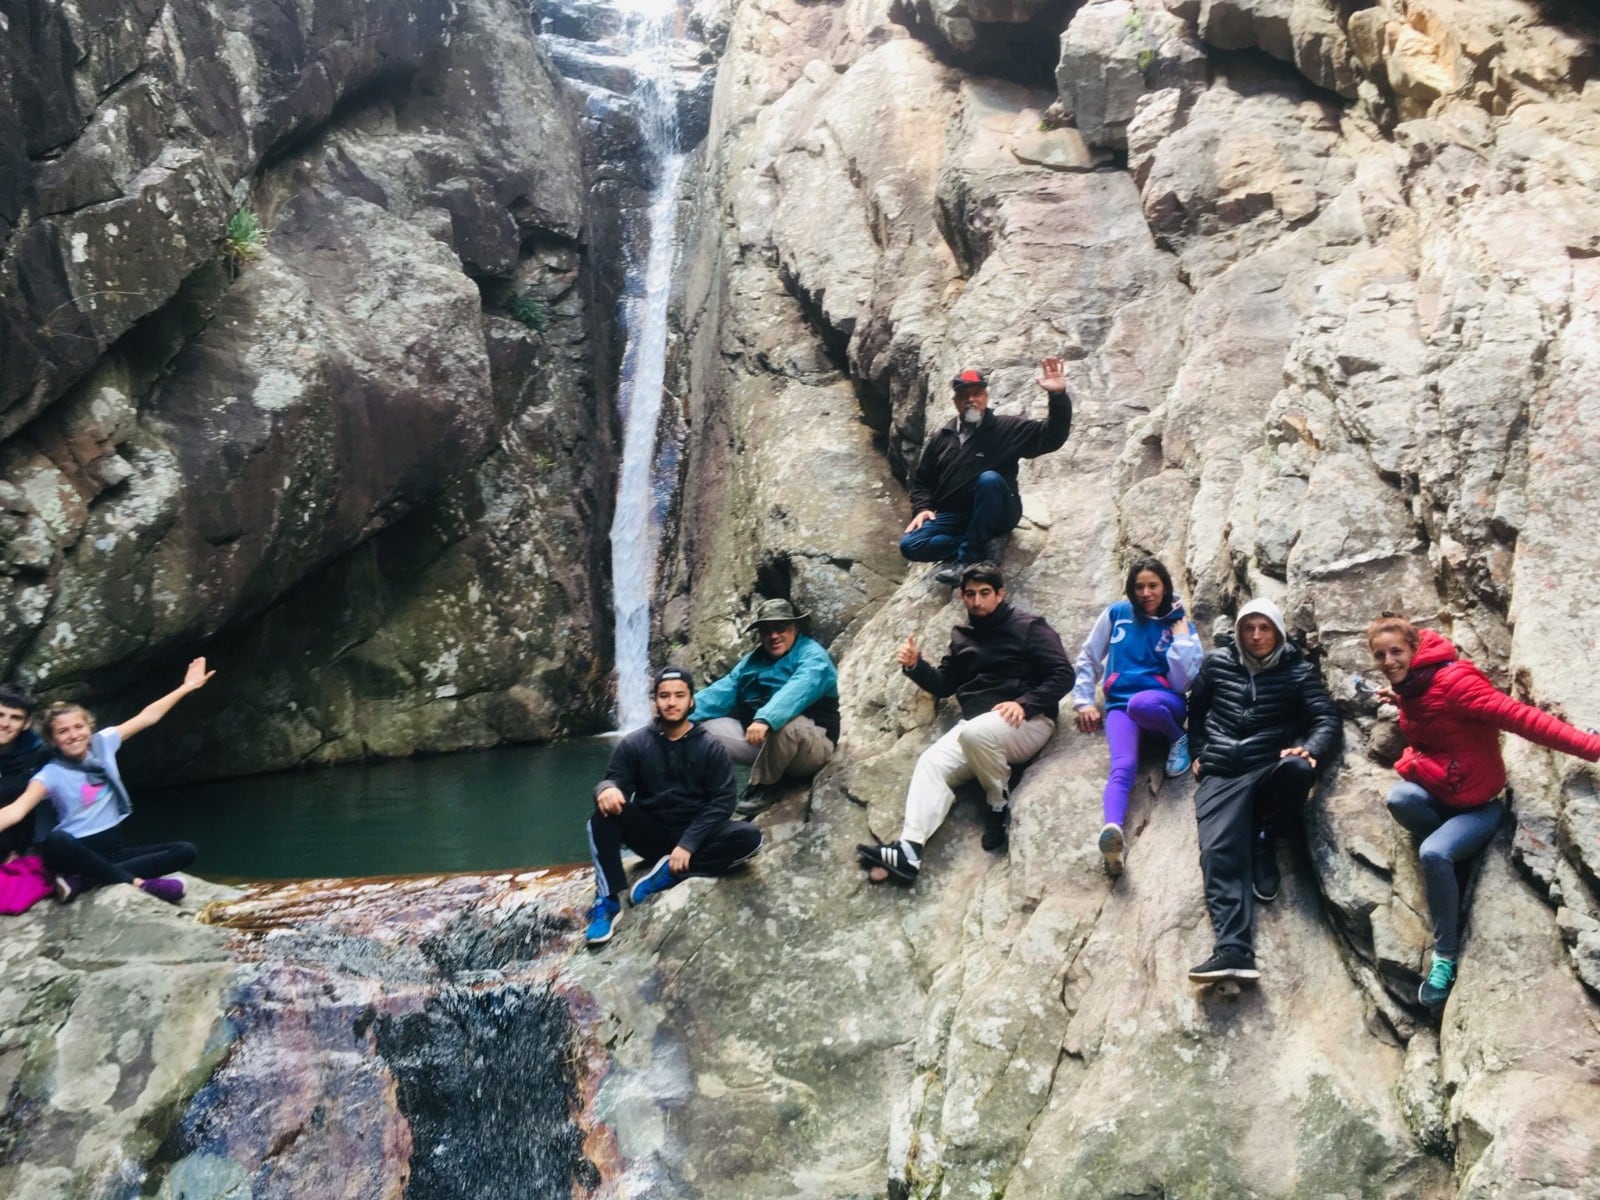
{"points": [[1447, 836]]}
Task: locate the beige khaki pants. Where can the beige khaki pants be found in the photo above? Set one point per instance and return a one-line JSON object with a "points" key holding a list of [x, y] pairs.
{"points": [[982, 748], [797, 751]]}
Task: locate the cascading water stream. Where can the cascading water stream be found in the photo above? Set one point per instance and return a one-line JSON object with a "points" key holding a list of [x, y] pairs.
{"points": [[635, 528]]}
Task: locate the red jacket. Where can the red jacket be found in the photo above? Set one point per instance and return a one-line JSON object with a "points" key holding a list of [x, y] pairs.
{"points": [[1449, 714]]}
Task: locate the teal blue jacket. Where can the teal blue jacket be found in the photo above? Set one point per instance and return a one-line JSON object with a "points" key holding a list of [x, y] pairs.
{"points": [[804, 682]]}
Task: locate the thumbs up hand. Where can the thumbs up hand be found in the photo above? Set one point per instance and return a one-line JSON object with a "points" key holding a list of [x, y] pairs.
{"points": [[909, 656]]}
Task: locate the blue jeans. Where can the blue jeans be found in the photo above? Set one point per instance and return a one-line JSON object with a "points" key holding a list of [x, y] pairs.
{"points": [[964, 536], [1448, 836]]}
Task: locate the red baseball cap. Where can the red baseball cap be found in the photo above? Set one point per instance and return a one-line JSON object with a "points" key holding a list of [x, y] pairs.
{"points": [[969, 379]]}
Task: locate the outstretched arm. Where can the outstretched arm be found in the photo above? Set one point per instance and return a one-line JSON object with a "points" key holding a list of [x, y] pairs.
{"points": [[1473, 690], [22, 805], [195, 678]]}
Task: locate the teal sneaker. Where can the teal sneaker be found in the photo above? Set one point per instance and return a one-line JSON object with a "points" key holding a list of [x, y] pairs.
{"points": [[1436, 987], [1111, 846], [659, 879], [1178, 760], [603, 919]]}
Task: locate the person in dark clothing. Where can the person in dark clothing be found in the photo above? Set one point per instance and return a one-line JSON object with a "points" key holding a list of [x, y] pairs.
{"points": [[1260, 720], [668, 793], [1008, 671], [22, 753], [964, 492]]}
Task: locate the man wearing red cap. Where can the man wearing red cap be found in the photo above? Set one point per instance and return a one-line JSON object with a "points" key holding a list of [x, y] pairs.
{"points": [[964, 493]]}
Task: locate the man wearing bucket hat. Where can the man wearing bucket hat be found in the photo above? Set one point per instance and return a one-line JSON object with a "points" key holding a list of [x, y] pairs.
{"points": [[777, 711], [1260, 723], [964, 493], [668, 794]]}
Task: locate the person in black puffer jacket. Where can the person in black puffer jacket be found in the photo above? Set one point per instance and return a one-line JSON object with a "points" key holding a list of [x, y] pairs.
{"points": [[1260, 721]]}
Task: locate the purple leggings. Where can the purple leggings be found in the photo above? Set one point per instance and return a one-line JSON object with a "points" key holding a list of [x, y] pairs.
{"points": [[1158, 712]]}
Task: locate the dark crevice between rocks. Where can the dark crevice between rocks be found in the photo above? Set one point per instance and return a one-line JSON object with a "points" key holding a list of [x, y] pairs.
{"points": [[875, 403], [296, 142], [1024, 52]]}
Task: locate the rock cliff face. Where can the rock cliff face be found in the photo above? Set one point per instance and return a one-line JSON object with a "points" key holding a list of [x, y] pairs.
{"points": [[363, 458], [1326, 283]]}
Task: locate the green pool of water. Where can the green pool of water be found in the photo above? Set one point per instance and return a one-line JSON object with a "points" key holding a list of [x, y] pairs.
{"points": [[522, 806]]}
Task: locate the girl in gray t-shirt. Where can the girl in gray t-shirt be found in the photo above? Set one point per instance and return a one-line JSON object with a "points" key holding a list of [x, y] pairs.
{"points": [[85, 849]]}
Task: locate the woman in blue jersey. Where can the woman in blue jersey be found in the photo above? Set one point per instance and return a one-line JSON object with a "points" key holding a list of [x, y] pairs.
{"points": [[1149, 651], [85, 848]]}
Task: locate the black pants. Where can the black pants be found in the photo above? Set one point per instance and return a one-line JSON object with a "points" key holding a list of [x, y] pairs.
{"points": [[728, 845], [102, 858], [1231, 809]]}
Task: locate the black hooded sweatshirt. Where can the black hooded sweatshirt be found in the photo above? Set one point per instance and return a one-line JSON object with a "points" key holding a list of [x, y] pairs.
{"points": [[687, 783]]}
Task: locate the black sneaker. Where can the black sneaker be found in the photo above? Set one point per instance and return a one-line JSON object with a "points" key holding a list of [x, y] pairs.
{"points": [[949, 574], [893, 857], [1231, 963], [754, 799], [1264, 879], [997, 829]]}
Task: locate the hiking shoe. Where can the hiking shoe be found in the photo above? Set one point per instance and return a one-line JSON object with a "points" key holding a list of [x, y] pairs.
{"points": [[1264, 878], [949, 573], [1441, 978], [1178, 760], [165, 888], [1111, 848], [1231, 963], [754, 799], [70, 887], [893, 857], [658, 879], [997, 829], [603, 918]]}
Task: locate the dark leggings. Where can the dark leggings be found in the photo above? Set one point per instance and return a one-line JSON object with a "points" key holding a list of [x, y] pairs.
{"points": [[101, 858]]}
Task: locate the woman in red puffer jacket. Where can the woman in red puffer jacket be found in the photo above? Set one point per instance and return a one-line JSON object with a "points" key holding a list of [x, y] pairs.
{"points": [[1451, 715]]}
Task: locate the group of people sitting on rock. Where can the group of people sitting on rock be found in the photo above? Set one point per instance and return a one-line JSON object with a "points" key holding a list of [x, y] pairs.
{"points": [[1252, 721], [76, 839]]}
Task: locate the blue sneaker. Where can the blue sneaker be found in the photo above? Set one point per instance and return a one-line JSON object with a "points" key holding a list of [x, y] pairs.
{"points": [[1435, 989], [659, 879], [1178, 760], [603, 920]]}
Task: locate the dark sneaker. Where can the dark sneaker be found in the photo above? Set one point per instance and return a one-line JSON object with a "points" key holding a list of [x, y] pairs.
{"points": [[1111, 845], [949, 574], [603, 918], [1264, 879], [1231, 963], [893, 857], [1435, 989], [659, 879], [1178, 760], [997, 829], [170, 890], [69, 887], [754, 799]]}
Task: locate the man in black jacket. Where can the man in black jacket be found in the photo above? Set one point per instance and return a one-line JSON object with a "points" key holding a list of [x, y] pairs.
{"points": [[964, 492], [1008, 671], [668, 793], [22, 753], [1260, 720]]}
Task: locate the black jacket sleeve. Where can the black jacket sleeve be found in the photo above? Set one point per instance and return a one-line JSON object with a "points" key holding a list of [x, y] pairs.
{"points": [[1325, 732], [1199, 708], [622, 772], [1051, 433], [1051, 669], [925, 480], [716, 785]]}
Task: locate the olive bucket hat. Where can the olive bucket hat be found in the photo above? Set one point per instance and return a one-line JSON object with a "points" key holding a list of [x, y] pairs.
{"points": [[774, 612]]}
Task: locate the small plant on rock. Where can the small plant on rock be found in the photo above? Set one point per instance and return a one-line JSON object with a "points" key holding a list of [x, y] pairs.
{"points": [[245, 240], [531, 311]]}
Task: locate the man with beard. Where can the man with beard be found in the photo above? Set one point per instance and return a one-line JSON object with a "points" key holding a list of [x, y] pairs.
{"points": [[964, 494], [668, 794], [1008, 671]]}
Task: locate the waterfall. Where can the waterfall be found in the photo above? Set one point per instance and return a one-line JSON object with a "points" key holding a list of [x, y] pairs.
{"points": [[635, 528]]}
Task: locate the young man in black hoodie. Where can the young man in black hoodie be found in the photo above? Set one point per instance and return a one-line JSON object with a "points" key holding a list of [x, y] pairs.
{"points": [[964, 493], [1260, 723], [668, 793], [22, 753], [1008, 671]]}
